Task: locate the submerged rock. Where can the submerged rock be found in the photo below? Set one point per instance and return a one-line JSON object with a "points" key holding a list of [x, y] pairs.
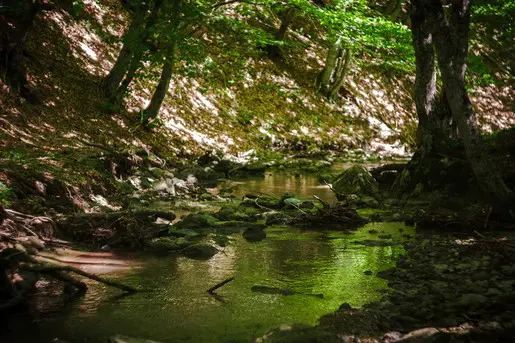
{"points": [[298, 333], [200, 251], [127, 339], [281, 291], [254, 234]]}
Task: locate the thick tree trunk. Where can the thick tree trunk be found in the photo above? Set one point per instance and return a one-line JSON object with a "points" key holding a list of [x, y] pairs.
{"points": [[446, 33], [14, 29], [451, 43]]}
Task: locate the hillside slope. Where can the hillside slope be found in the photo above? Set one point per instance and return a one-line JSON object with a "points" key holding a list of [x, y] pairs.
{"points": [[237, 100]]}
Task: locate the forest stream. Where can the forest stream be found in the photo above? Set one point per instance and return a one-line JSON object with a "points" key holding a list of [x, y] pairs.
{"points": [[177, 306]]}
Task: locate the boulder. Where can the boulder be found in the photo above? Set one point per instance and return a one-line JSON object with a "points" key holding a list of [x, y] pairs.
{"points": [[200, 251], [237, 213], [356, 180]]}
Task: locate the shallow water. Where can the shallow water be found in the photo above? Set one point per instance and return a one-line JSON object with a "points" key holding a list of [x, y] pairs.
{"points": [[180, 310]]}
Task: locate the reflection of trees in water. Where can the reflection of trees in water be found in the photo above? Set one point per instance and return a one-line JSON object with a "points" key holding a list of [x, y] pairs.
{"points": [[300, 259], [304, 186]]}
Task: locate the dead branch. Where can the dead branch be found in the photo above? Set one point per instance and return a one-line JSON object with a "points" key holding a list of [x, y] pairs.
{"points": [[324, 203], [218, 285]]}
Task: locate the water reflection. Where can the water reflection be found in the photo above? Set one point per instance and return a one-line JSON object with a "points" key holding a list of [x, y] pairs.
{"points": [[277, 183], [178, 309]]}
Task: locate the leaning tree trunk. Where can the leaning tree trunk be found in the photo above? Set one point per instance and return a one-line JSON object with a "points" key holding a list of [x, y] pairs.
{"points": [[337, 64], [120, 68], [131, 55], [152, 111]]}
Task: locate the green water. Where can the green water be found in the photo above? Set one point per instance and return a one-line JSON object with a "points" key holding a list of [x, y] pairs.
{"points": [[180, 310]]}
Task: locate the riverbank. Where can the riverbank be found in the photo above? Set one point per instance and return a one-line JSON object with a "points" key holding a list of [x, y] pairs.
{"points": [[446, 288]]}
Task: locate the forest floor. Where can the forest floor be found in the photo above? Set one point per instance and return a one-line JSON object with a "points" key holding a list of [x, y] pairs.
{"points": [[68, 154]]}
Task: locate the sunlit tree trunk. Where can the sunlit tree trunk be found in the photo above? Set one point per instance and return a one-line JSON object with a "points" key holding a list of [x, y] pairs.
{"points": [[337, 64]]}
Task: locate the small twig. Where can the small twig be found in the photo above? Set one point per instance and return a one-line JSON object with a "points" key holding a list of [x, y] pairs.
{"points": [[218, 285], [260, 206], [325, 204]]}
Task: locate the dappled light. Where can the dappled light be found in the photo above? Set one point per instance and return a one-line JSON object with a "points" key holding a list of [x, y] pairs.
{"points": [[204, 171]]}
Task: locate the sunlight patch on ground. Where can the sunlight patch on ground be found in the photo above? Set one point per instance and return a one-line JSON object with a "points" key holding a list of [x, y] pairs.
{"points": [[496, 106]]}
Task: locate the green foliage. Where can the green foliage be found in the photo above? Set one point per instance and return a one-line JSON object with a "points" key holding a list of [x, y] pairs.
{"points": [[6, 195], [371, 35], [491, 40]]}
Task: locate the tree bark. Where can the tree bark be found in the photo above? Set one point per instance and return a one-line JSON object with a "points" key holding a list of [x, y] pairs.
{"points": [[337, 64], [446, 34], [152, 111], [451, 43], [339, 79], [14, 29], [117, 73]]}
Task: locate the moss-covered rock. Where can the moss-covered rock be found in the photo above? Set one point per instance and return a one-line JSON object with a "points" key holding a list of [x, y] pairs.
{"points": [[162, 245], [200, 251], [356, 180], [198, 222]]}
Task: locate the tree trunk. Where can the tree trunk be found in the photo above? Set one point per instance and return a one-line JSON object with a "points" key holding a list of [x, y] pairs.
{"points": [[447, 34], [339, 78], [451, 43], [14, 29], [120, 68], [337, 64], [152, 111], [286, 18], [116, 98]]}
